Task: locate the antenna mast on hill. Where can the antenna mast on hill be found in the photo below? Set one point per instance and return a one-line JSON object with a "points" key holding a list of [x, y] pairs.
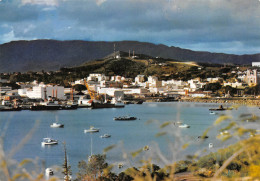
{"points": [[114, 50]]}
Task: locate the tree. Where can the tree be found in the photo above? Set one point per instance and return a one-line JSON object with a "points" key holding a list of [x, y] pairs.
{"points": [[212, 87], [79, 87], [93, 169], [66, 171]]}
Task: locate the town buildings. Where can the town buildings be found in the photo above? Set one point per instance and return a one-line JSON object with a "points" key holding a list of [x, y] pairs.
{"points": [[120, 88]]}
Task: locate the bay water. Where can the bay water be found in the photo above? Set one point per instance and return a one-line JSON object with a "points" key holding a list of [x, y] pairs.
{"points": [[154, 127]]}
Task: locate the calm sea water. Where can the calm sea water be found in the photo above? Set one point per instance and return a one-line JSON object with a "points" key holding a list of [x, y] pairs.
{"points": [[128, 136]]}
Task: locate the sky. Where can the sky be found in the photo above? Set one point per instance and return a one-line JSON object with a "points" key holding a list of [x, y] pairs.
{"points": [[227, 26]]}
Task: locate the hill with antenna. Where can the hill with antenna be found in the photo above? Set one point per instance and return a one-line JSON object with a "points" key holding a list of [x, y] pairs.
{"points": [[37, 55]]}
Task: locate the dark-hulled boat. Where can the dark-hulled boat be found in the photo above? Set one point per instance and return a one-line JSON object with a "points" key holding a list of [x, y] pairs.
{"points": [[46, 106], [125, 118], [98, 105]]}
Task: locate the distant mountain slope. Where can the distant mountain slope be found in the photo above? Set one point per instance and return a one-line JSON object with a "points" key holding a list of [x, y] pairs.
{"points": [[46, 55]]}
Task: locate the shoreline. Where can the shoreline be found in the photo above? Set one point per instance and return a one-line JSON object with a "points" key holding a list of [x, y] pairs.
{"points": [[236, 101]]}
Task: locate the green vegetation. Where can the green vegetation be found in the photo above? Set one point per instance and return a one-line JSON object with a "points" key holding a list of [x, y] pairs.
{"points": [[164, 69]]}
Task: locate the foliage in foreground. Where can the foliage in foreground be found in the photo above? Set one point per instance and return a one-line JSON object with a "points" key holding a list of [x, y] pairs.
{"points": [[236, 161], [241, 160]]}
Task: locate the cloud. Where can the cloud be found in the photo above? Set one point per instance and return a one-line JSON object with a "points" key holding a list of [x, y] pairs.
{"points": [[100, 2], [41, 2], [186, 23]]}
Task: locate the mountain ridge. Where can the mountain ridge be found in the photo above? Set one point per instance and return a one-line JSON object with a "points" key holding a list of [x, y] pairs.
{"points": [[36, 55]]}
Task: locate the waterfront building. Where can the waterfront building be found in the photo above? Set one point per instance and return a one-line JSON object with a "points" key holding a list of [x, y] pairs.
{"points": [[108, 91], [23, 92], [135, 91], [199, 94], [173, 85], [43, 92]]}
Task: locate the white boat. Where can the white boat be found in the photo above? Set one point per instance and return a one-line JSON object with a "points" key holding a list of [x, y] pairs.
{"points": [[184, 126], [146, 148], [225, 132], [67, 178], [91, 130], [177, 123], [120, 165], [105, 136], [212, 112], [49, 171], [210, 145], [56, 125], [49, 141]]}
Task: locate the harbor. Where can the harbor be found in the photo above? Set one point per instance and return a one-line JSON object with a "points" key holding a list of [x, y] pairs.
{"points": [[128, 136]]}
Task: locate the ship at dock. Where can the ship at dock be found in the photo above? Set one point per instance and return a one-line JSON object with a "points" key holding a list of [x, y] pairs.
{"points": [[46, 106], [99, 101]]}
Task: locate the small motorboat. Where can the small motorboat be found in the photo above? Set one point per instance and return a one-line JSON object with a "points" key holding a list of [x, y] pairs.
{"points": [[49, 141], [57, 125], [91, 130], [212, 112], [225, 132], [105, 136], [120, 165], [146, 148], [184, 126], [210, 145]]}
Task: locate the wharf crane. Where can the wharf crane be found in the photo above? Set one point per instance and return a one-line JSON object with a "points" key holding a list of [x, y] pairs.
{"points": [[93, 94]]}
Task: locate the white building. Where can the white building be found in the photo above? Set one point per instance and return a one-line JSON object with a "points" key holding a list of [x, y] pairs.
{"points": [[96, 77], [172, 85], [43, 92], [234, 85], [214, 80], [117, 78], [139, 79], [255, 64], [195, 84], [135, 91], [109, 91], [153, 82], [252, 77], [23, 92], [81, 81], [5, 89]]}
